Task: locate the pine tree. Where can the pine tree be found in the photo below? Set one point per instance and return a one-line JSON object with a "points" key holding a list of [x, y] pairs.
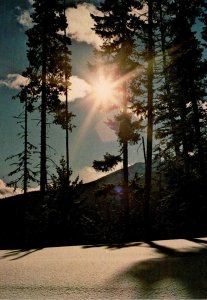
{"points": [[117, 27], [181, 112], [47, 66], [150, 119], [164, 103], [63, 117], [67, 76], [23, 165]]}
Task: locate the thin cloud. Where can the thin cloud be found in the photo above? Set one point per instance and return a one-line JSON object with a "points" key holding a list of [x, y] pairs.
{"points": [[6, 191], [25, 19], [2, 184], [14, 81], [81, 24], [105, 132], [79, 20], [79, 88]]}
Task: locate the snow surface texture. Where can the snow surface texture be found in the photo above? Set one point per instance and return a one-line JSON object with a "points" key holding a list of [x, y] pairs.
{"points": [[172, 269]]}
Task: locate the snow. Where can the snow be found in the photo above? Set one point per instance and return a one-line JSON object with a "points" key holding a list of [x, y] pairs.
{"points": [[171, 269]]}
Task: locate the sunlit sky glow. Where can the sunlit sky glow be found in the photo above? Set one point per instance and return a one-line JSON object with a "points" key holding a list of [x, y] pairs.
{"points": [[105, 91]]}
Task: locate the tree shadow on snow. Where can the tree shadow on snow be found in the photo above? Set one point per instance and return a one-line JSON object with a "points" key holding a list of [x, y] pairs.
{"points": [[196, 240], [175, 275], [114, 245], [19, 253]]}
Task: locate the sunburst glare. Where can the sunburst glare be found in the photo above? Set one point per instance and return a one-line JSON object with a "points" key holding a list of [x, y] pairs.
{"points": [[105, 91]]}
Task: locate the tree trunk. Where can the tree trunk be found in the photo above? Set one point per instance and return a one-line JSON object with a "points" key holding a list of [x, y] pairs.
{"points": [[148, 167], [184, 138], [125, 161], [125, 142], [67, 137], [66, 110], [43, 157], [25, 149]]}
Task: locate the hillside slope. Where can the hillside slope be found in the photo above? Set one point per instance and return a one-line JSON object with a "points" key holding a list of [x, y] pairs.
{"points": [[116, 177]]}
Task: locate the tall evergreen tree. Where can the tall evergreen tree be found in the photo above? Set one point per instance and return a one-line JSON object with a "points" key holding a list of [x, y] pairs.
{"points": [[181, 111], [117, 27], [150, 119], [47, 66], [67, 76], [23, 165], [165, 106], [63, 116]]}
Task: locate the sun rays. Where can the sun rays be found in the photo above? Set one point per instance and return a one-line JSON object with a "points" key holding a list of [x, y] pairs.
{"points": [[105, 95]]}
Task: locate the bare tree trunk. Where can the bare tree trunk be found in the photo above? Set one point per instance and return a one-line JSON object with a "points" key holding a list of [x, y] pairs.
{"points": [[184, 138], [66, 110], [25, 148], [43, 157], [148, 167], [125, 161], [67, 138], [125, 142]]}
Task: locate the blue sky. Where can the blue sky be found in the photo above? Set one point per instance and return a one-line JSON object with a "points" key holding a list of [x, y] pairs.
{"points": [[89, 140]]}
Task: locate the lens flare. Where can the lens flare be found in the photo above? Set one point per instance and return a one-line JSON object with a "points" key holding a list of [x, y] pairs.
{"points": [[103, 90]]}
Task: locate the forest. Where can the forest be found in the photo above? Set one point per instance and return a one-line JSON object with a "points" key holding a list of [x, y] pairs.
{"points": [[155, 52]]}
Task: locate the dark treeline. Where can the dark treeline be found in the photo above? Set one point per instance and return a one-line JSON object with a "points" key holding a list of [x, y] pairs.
{"points": [[157, 54]]}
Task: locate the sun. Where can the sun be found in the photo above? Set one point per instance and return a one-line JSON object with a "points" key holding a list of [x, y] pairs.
{"points": [[104, 91]]}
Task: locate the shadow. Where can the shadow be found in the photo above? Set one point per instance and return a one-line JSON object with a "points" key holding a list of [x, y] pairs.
{"points": [[113, 246], [175, 275], [163, 249], [196, 240], [19, 253]]}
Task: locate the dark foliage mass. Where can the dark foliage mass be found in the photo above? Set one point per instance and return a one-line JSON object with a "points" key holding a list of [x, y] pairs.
{"points": [[94, 213]]}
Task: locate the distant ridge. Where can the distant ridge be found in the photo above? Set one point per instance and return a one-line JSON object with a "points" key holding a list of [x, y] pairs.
{"points": [[116, 176]]}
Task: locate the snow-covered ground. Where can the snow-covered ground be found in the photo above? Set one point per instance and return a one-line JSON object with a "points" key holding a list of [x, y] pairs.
{"points": [[172, 269]]}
